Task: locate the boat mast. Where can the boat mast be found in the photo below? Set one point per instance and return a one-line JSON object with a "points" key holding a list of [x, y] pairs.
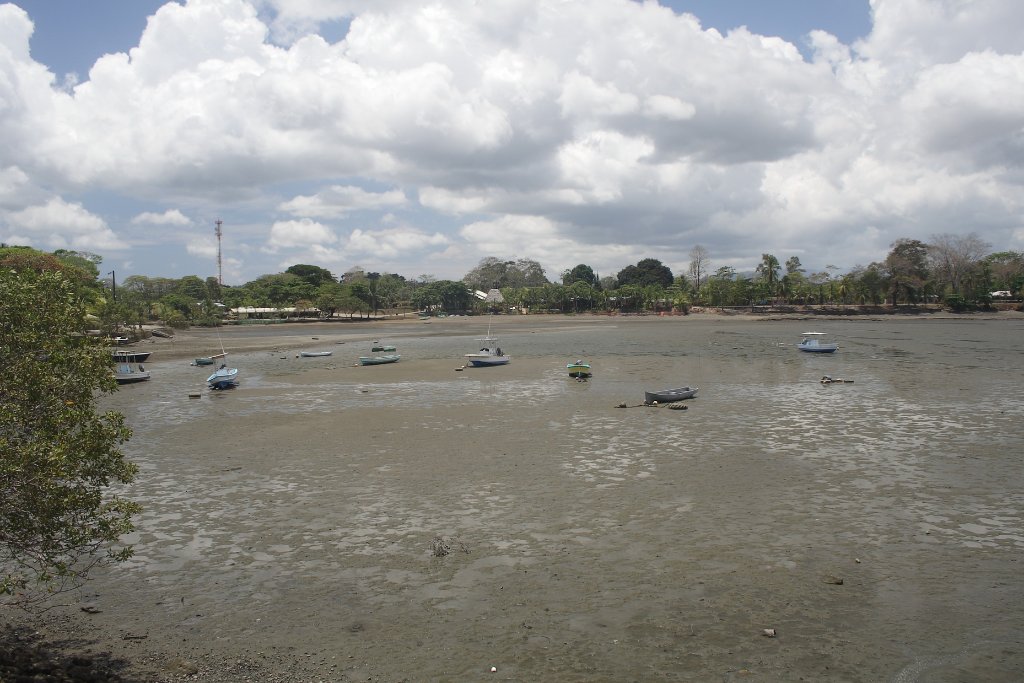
{"points": [[220, 271]]}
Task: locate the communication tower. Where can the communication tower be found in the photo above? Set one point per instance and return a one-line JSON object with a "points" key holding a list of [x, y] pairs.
{"points": [[220, 271]]}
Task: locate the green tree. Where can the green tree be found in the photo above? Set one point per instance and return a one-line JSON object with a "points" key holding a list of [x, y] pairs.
{"points": [[581, 273], [647, 271], [768, 273], [908, 269], [314, 275], [58, 457]]}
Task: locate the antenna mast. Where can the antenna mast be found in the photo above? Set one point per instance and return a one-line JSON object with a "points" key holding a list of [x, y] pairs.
{"points": [[220, 271]]}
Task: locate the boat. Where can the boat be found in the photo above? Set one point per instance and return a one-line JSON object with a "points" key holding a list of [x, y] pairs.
{"points": [[490, 353], [209, 360], [130, 356], [314, 354], [223, 378], [669, 395], [379, 360], [578, 369], [130, 372], [119, 341], [383, 348], [811, 342]]}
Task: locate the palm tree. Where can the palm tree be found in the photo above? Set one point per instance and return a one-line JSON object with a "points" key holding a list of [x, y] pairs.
{"points": [[768, 270]]}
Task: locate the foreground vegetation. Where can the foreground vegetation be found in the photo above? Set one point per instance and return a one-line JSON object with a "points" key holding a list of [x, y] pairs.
{"points": [[58, 456]]}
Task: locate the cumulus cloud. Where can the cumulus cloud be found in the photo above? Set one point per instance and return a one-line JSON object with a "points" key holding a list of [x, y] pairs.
{"points": [[300, 233], [340, 200], [169, 217], [618, 128], [57, 224]]}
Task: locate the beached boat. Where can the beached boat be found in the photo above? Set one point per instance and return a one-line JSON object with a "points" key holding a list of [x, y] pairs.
{"points": [[130, 356], [129, 372], [223, 378], [209, 360], [812, 343], [378, 347], [578, 369], [314, 354], [379, 360], [669, 395], [490, 353]]}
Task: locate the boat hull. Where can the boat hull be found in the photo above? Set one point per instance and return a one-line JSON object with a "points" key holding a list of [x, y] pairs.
{"points": [[130, 356], [578, 369], [818, 348], [670, 395], [130, 373], [485, 361], [314, 354], [375, 349], [378, 360], [223, 378]]}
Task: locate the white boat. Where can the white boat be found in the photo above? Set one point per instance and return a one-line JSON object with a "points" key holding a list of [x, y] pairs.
{"points": [[129, 372], [314, 354], [490, 353], [223, 378], [669, 395], [812, 343]]}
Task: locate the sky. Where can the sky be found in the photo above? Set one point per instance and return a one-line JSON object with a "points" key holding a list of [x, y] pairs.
{"points": [[413, 137]]}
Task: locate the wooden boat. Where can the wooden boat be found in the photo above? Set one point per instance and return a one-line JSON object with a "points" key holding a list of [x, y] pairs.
{"points": [[223, 378], [379, 360], [669, 395], [130, 356], [383, 348], [578, 369], [811, 342], [129, 372], [314, 354]]}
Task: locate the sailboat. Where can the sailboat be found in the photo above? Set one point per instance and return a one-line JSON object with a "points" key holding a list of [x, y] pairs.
{"points": [[490, 353], [223, 377]]}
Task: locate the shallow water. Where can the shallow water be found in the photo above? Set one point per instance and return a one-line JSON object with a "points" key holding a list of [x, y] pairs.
{"points": [[297, 511]]}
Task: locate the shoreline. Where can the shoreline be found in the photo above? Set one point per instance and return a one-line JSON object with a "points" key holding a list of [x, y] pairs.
{"points": [[290, 336]]}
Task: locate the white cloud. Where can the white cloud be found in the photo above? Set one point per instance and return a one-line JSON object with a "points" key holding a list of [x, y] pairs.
{"points": [[340, 200], [57, 224], [169, 217], [595, 125], [301, 233]]}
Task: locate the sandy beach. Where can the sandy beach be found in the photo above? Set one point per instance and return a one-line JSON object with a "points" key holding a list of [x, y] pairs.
{"points": [[425, 522]]}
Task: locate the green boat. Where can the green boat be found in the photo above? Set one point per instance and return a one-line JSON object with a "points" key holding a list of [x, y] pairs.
{"points": [[379, 360]]}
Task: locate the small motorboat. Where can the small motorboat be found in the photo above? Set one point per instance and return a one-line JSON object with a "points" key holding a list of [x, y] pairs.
{"points": [[669, 395], [129, 372], [578, 369], [379, 347], [209, 360], [314, 354], [812, 343], [130, 356], [379, 360], [223, 378]]}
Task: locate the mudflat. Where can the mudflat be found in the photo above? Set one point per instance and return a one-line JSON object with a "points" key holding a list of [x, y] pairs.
{"points": [[424, 521]]}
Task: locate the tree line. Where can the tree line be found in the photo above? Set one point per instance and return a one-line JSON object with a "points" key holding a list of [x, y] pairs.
{"points": [[958, 272]]}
